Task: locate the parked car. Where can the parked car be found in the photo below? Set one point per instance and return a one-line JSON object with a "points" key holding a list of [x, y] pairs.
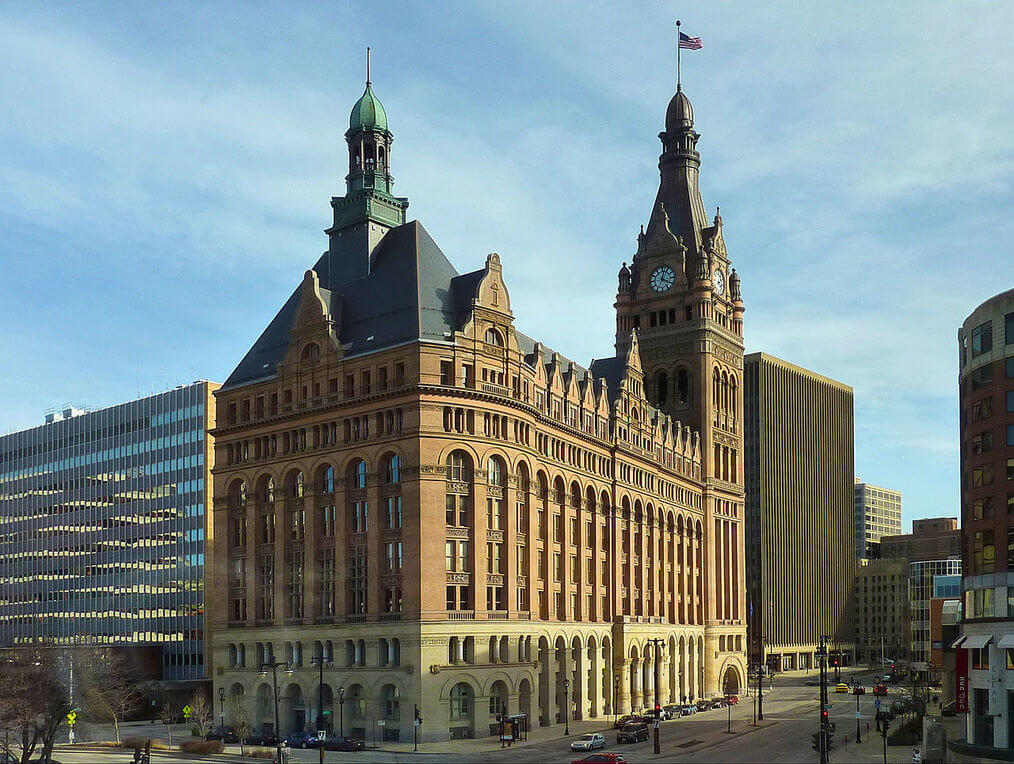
{"points": [[225, 734], [880, 689], [262, 738], [632, 733], [703, 705], [718, 703], [859, 690], [301, 739], [732, 700], [588, 742], [336, 743], [624, 721], [672, 710], [601, 758], [688, 709], [813, 681], [841, 687]]}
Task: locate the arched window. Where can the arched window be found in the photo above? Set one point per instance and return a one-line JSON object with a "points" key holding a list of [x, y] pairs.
{"points": [[461, 701], [389, 696], [356, 474], [493, 338], [268, 490], [232, 656], [357, 702], [327, 480], [497, 698], [238, 494], [358, 508], [661, 388], [312, 350], [297, 487], [459, 466], [392, 469], [682, 386], [495, 470]]}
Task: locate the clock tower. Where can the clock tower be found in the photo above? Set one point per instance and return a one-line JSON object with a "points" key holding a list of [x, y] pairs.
{"points": [[682, 297]]}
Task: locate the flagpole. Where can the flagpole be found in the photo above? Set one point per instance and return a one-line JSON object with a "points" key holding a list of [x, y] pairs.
{"points": [[678, 73]]}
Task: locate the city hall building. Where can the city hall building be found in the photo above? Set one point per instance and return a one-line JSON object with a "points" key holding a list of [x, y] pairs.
{"points": [[429, 508]]}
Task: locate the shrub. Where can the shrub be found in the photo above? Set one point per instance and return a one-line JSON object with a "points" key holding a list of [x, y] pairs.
{"points": [[202, 746], [254, 752], [909, 732], [141, 742]]}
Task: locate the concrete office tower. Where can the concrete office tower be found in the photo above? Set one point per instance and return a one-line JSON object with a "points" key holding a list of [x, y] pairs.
{"points": [[986, 392], [878, 514], [103, 527], [799, 498], [454, 516]]}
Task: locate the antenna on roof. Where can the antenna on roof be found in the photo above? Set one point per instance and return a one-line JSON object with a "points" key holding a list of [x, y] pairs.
{"points": [[367, 64]]}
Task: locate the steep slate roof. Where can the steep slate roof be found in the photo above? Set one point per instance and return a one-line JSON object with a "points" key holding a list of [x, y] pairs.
{"points": [[411, 293]]}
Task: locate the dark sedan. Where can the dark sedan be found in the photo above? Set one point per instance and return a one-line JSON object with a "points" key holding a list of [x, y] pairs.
{"points": [[262, 738], [225, 734], [632, 733], [336, 743]]}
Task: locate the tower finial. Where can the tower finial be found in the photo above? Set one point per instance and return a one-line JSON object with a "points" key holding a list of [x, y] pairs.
{"points": [[367, 64]]}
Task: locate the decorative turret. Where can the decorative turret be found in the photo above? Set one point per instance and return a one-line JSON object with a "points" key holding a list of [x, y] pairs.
{"points": [[369, 208]]}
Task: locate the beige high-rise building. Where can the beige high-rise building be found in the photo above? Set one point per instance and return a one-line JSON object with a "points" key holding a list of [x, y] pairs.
{"points": [[799, 479], [452, 516], [878, 514]]}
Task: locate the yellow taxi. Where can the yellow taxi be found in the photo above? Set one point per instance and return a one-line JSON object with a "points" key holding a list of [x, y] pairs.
{"points": [[841, 687]]}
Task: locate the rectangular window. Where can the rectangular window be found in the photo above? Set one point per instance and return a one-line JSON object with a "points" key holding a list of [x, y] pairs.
{"points": [[575, 571], [1009, 367], [239, 531], [392, 512], [449, 549], [557, 566], [982, 376], [982, 508], [350, 385], [463, 556], [1008, 322], [1010, 435], [447, 373], [1010, 401], [983, 442], [399, 374], [982, 409], [980, 658], [382, 378], [982, 339], [982, 476], [1010, 469]]}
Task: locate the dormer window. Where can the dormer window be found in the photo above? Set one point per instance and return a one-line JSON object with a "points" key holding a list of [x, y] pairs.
{"points": [[493, 338], [312, 350]]}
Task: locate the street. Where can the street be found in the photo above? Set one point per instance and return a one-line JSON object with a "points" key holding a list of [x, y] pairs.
{"points": [[790, 718]]}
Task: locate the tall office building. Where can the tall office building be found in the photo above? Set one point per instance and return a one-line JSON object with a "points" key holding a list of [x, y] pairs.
{"points": [[103, 526], [881, 606], [878, 514], [799, 512], [985, 688], [452, 515]]}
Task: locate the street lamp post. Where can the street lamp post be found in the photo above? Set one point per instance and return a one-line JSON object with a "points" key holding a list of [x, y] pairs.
{"points": [[221, 702], [320, 663], [728, 705], [341, 710], [566, 707], [616, 695], [859, 734], [273, 665]]}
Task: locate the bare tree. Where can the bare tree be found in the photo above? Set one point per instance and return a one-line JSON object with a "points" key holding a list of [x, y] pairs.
{"points": [[113, 687], [202, 714], [167, 715], [34, 701], [239, 713]]}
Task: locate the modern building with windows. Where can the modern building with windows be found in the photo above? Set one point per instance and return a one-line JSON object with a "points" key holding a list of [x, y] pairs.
{"points": [[878, 514], [926, 580], [103, 527], [985, 654], [801, 559], [450, 515]]}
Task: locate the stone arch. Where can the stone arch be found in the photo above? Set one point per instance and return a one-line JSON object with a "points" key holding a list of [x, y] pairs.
{"points": [[325, 478], [499, 697], [732, 681], [264, 705], [292, 715], [392, 464], [467, 448], [525, 698], [267, 487]]}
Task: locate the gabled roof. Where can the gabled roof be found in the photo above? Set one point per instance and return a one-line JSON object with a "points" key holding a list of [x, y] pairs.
{"points": [[411, 293]]}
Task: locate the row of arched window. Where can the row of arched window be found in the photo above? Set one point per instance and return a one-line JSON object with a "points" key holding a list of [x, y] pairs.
{"points": [[295, 484]]}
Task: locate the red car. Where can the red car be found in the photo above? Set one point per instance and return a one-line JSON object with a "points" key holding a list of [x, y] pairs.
{"points": [[732, 700], [880, 689], [602, 758]]}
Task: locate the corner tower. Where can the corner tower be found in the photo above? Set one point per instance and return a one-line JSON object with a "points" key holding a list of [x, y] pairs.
{"points": [[682, 296], [369, 209]]}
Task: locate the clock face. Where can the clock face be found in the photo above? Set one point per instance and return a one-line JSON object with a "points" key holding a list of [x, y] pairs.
{"points": [[662, 278], [719, 281]]}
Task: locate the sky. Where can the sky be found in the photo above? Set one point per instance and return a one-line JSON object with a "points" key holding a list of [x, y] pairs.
{"points": [[166, 171]]}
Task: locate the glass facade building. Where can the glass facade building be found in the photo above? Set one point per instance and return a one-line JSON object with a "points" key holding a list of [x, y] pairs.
{"points": [[103, 520]]}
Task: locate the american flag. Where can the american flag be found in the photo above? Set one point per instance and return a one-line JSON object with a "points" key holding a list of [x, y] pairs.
{"points": [[690, 43]]}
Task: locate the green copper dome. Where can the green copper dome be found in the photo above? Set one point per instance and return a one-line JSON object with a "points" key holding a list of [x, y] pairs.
{"points": [[368, 113]]}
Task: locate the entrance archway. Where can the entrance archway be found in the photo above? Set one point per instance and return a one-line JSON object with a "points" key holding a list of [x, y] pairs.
{"points": [[731, 681]]}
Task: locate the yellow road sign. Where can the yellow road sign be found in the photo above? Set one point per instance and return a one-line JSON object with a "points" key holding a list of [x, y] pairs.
{"points": [[187, 710]]}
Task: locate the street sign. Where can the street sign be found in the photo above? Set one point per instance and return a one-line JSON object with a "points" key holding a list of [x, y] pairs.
{"points": [[71, 719], [876, 703], [859, 715], [187, 710], [321, 734], [381, 722], [416, 723]]}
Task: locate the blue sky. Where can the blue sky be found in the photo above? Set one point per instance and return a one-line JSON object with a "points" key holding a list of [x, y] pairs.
{"points": [[165, 173]]}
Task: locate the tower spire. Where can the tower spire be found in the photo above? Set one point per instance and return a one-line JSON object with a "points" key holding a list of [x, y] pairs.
{"points": [[367, 65]]}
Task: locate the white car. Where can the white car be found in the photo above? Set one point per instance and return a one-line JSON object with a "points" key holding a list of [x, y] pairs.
{"points": [[589, 742]]}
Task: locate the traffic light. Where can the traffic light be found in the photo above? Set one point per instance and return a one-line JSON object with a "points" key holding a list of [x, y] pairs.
{"points": [[830, 741], [815, 740], [418, 717], [823, 716]]}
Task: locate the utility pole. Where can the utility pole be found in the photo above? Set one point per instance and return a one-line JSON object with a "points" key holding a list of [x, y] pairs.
{"points": [[822, 657], [760, 680]]}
